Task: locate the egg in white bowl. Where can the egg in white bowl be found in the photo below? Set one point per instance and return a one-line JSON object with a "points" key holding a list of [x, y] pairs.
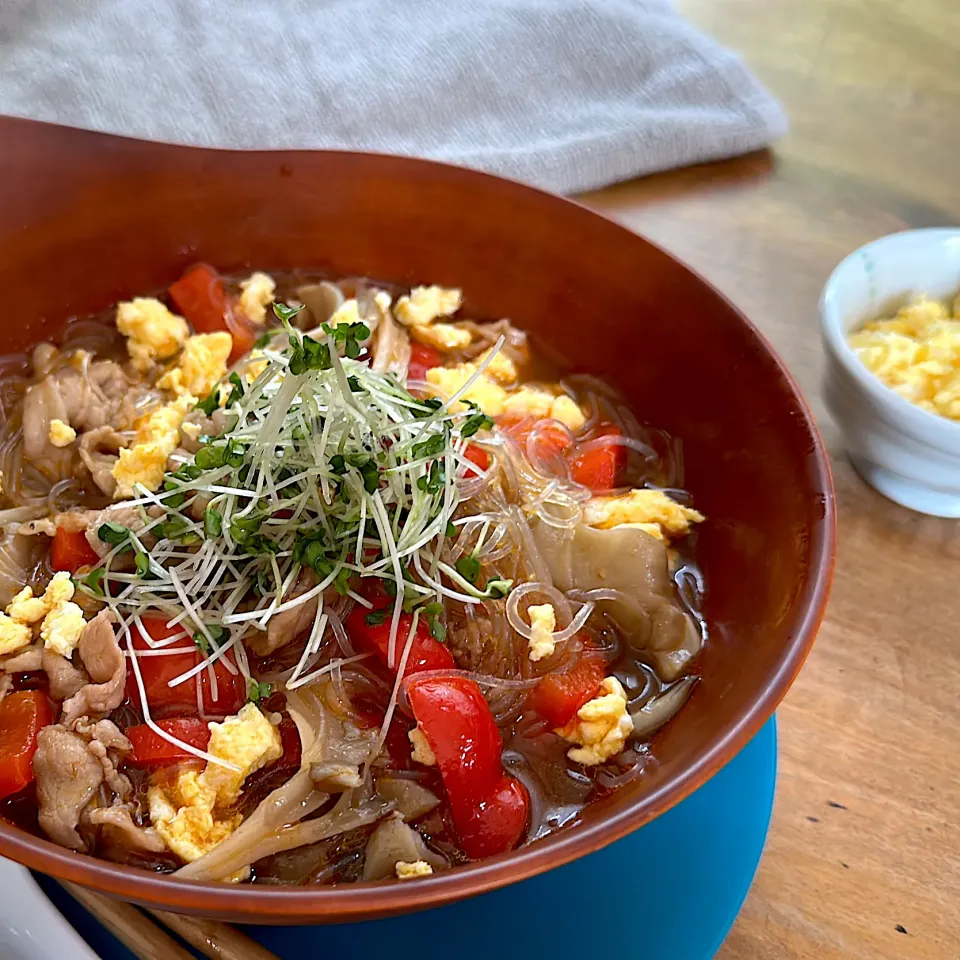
{"points": [[909, 454]]}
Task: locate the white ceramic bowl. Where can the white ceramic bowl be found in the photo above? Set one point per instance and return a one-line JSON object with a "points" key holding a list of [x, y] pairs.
{"points": [[910, 455]]}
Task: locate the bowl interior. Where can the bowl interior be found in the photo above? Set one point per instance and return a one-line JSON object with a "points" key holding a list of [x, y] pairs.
{"points": [[88, 219]]}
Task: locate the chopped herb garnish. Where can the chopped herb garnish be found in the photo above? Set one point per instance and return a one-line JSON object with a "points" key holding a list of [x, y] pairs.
{"points": [[434, 481], [113, 533], [349, 335], [236, 394], [212, 523], [94, 581], [498, 589], [286, 313], [210, 403], [175, 529], [427, 407], [308, 354], [143, 564], [258, 691], [430, 448], [477, 420], [469, 567], [209, 457], [375, 617], [371, 475], [188, 472]]}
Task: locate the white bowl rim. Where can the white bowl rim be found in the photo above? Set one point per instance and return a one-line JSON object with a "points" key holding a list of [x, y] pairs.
{"points": [[945, 432]]}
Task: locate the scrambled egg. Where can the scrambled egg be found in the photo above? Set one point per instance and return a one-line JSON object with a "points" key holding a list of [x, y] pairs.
{"points": [[421, 748], [423, 308], [567, 412], [347, 312], [182, 813], [407, 871], [539, 403], [501, 368], [917, 354], [61, 434], [487, 395], [61, 629], [650, 510], [61, 621], [158, 435], [256, 294], [248, 740], [443, 336], [14, 635], [543, 623], [192, 812], [154, 332], [202, 364], [426, 304], [601, 727], [528, 402]]}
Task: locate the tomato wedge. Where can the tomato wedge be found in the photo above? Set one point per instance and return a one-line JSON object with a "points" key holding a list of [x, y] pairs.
{"points": [[597, 468], [21, 717], [476, 455], [71, 551], [552, 437], [201, 296], [181, 700], [558, 696], [151, 751], [370, 630], [490, 809], [422, 359]]}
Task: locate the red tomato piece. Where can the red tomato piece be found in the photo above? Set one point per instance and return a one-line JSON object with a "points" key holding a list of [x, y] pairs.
{"points": [[422, 359], [426, 653], [598, 468], [151, 751], [476, 455], [552, 437], [21, 717], [181, 700], [558, 696], [490, 809], [243, 330], [201, 296], [71, 551]]}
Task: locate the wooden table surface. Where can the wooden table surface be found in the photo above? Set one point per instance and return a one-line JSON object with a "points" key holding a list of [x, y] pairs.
{"points": [[863, 857]]}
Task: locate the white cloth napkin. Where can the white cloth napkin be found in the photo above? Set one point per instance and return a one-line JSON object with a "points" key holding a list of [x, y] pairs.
{"points": [[565, 94]]}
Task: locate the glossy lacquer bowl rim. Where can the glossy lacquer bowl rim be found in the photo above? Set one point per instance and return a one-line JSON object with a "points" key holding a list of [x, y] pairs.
{"points": [[362, 901]]}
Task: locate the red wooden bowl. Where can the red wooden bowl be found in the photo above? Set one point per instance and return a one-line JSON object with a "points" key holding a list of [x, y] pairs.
{"points": [[86, 219]]}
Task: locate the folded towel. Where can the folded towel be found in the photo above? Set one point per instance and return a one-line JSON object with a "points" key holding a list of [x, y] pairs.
{"points": [[565, 94]]}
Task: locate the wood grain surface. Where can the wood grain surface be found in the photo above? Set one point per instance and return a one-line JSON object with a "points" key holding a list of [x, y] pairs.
{"points": [[863, 857]]}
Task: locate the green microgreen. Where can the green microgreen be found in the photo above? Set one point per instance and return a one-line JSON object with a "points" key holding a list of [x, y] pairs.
{"points": [[257, 691]]}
